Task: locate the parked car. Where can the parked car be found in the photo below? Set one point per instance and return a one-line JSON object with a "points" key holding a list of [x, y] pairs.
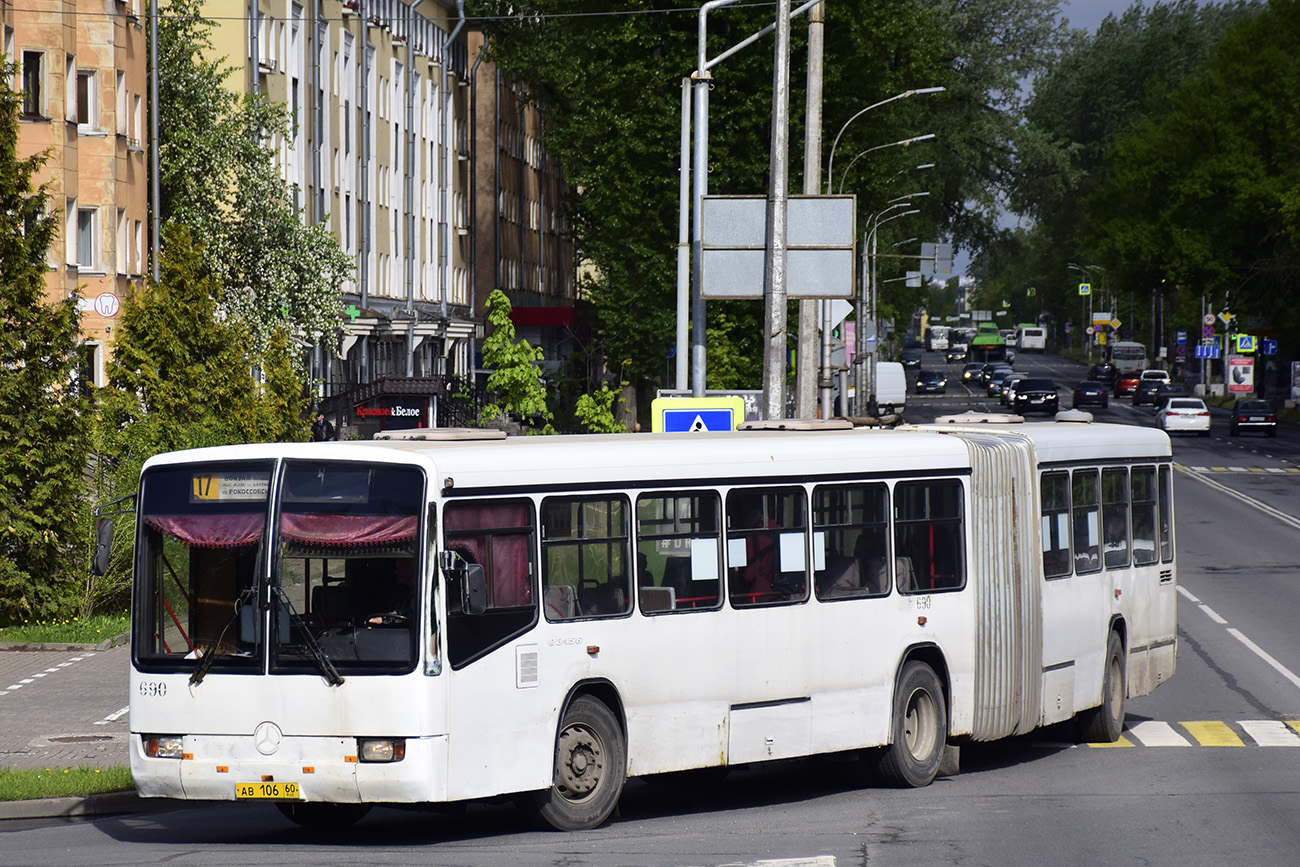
{"points": [[1184, 414], [1126, 382], [971, 372], [1252, 413], [1091, 392], [931, 381], [1035, 395], [911, 358]]}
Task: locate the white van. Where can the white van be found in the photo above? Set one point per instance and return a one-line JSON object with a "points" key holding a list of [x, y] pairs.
{"points": [[891, 391], [891, 387]]}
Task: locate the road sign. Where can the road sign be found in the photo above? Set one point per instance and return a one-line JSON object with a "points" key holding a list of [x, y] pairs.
{"points": [[1085, 288], [1089, 329], [1208, 331], [1180, 349], [682, 414], [1208, 319], [1268, 347], [1207, 350], [1180, 336], [1226, 317], [1114, 323], [1245, 343]]}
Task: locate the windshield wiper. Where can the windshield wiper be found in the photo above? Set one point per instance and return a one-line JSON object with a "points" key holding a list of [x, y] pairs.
{"points": [[317, 652], [210, 655]]}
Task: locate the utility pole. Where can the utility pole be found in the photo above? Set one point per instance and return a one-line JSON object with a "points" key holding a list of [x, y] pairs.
{"points": [[778, 195], [808, 358]]}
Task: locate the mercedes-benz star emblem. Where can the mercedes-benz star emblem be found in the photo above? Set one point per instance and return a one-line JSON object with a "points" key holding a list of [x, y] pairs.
{"points": [[267, 737]]}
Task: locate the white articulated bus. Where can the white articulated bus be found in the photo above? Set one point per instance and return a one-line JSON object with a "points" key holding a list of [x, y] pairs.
{"points": [[422, 621]]}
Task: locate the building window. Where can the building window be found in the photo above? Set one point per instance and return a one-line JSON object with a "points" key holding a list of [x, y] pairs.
{"points": [[33, 84], [122, 241], [139, 248], [137, 121], [87, 237], [87, 101], [120, 121]]}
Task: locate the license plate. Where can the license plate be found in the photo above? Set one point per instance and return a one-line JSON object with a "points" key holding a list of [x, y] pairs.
{"points": [[267, 791], [1256, 418]]}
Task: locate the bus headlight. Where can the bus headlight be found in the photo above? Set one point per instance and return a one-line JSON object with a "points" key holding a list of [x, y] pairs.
{"points": [[381, 749], [164, 746]]}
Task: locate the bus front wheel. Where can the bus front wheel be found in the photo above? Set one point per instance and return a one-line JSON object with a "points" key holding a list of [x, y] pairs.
{"points": [[919, 729], [590, 768], [1104, 723]]}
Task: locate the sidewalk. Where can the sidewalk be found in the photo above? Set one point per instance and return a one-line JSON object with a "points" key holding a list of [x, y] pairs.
{"points": [[64, 706]]}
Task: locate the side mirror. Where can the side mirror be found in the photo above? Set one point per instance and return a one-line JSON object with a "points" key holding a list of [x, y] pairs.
{"points": [[103, 546], [474, 590]]}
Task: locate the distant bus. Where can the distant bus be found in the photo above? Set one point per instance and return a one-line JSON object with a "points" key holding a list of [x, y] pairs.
{"points": [[452, 615], [936, 338], [987, 344], [1128, 356], [1031, 337]]}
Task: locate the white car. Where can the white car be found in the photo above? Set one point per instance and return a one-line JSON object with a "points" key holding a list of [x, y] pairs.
{"points": [[1184, 414]]}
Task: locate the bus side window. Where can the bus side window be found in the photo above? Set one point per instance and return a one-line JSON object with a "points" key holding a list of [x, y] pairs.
{"points": [[929, 532], [678, 551], [586, 549], [766, 546], [851, 541], [1085, 511], [1115, 517], [499, 536], [1055, 496], [1144, 516]]}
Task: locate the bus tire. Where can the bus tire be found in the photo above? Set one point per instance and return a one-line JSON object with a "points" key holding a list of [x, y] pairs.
{"points": [[320, 816], [1104, 723], [919, 730], [590, 768]]}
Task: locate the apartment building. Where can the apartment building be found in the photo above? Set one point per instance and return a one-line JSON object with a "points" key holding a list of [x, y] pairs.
{"points": [[436, 191], [81, 69]]}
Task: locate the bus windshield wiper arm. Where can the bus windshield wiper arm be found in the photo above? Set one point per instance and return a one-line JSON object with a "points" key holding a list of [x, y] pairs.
{"points": [[317, 652], [201, 670]]}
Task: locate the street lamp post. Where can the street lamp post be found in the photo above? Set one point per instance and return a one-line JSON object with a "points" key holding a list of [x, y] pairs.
{"points": [[1086, 271], [865, 358]]}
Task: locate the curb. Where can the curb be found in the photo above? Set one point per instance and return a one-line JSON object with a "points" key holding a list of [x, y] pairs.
{"points": [[32, 646], [88, 807]]}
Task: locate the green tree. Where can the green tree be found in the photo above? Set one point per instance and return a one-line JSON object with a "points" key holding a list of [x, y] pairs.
{"points": [[44, 517], [219, 176], [1205, 191], [1096, 93], [515, 383], [609, 84]]}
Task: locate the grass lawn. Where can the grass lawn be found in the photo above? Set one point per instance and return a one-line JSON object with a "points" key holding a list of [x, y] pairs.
{"points": [[27, 784], [91, 630]]}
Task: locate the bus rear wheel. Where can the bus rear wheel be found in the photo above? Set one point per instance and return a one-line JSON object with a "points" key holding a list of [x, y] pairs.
{"points": [[919, 730], [590, 768], [1104, 723]]}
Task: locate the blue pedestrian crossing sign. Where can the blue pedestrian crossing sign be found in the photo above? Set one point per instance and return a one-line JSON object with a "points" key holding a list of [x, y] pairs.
{"points": [[693, 414]]}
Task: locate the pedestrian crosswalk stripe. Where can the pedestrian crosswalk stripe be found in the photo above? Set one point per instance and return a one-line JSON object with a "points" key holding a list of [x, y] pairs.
{"points": [[1269, 733], [1158, 734], [1209, 733], [1204, 469], [1213, 734]]}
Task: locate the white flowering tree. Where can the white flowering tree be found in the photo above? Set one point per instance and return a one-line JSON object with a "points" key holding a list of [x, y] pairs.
{"points": [[219, 177]]}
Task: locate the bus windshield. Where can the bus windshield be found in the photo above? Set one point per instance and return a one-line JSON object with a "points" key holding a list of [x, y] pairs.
{"points": [[340, 588]]}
